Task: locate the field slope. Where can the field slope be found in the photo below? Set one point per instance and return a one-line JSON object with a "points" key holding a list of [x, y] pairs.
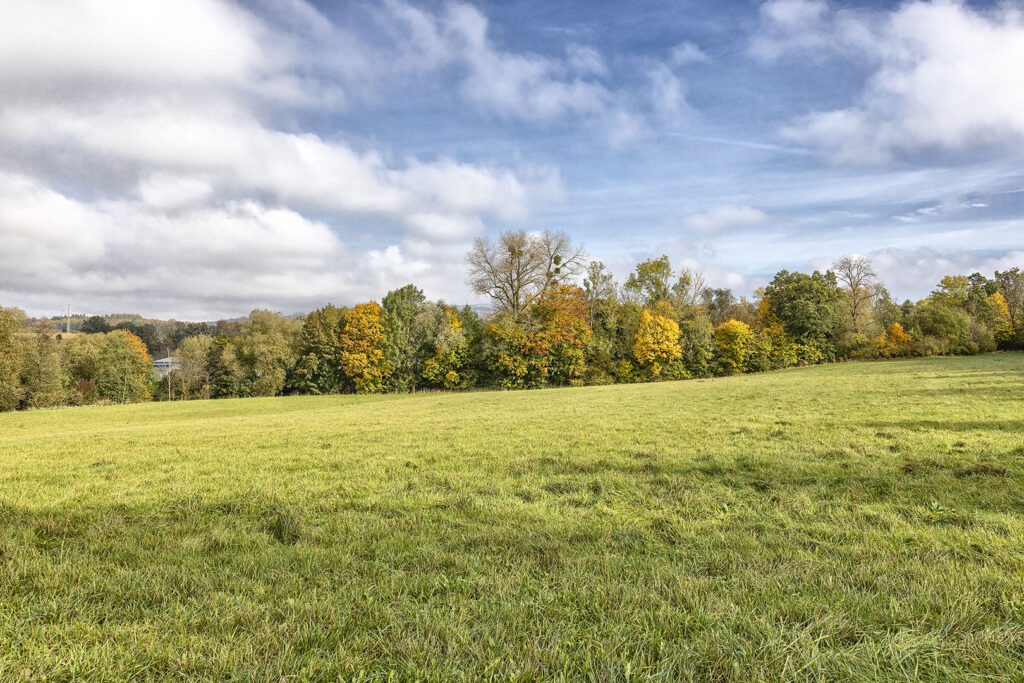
{"points": [[856, 521]]}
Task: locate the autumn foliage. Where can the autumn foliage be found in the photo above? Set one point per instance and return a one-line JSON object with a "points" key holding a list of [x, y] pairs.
{"points": [[656, 344], [362, 348]]}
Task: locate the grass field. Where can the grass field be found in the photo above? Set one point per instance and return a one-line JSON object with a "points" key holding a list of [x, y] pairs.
{"points": [[857, 521]]}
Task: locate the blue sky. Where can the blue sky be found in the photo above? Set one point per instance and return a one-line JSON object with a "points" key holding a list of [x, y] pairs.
{"points": [[202, 158]]}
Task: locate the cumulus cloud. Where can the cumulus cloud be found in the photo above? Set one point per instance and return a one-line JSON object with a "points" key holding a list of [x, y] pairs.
{"points": [[943, 77], [723, 218], [150, 155], [920, 269]]}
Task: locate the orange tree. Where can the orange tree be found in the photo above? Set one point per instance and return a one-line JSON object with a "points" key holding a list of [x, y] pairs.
{"points": [[546, 345]]}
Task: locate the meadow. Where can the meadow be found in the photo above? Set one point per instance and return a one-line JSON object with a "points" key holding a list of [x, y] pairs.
{"points": [[861, 521]]}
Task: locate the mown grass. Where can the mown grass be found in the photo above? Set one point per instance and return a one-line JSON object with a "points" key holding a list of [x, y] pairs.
{"points": [[849, 522]]}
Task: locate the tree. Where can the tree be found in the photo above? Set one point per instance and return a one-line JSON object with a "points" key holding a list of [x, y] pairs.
{"points": [[650, 282], [150, 335], [95, 325], [269, 350], [1002, 323], [398, 313], [688, 289], [194, 369], [561, 315], [858, 279], [229, 376], [519, 267], [1011, 285], [126, 368], [362, 348], [41, 371], [446, 346], [562, 260], [657, 342], [948, 326], [953, 290], [598, 287], [807, 306], [732, 339], [318, 368], [82, 366], [11, 390], [544, 347]]}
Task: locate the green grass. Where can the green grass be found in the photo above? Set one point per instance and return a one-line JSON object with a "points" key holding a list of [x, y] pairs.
{"points": [[857, 521]]}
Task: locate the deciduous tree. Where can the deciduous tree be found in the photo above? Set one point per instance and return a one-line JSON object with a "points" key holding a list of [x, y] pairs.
{"points": [[657, 342], [400, 309], [858, 278], [732, 339], [318, 368], [362, 348], [519, 267]]}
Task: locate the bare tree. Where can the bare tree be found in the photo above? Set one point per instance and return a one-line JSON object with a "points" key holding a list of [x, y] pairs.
{"points": [[689, 288], [858, 278], [518, 267], [563, 260]]}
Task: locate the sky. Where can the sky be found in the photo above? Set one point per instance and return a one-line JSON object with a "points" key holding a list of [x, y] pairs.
{"points": [[197, 159]]}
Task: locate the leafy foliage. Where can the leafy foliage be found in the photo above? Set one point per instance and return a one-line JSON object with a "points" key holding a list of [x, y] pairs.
{"points": [[362, 348]]}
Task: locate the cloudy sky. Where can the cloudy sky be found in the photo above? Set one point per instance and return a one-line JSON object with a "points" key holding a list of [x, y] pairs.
{"points": [[199, 158]]}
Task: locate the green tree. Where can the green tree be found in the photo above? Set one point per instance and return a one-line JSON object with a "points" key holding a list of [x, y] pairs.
{"points": [[399, 311], [41, 371], [95, 325], [126, 368], [318, 368], [445, 346], [269, 350], [229, 376], [81, 359], [195, 371], [11, 390], [807, 306], [650, 282]]}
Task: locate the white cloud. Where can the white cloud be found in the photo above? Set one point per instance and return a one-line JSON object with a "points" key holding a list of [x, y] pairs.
{"points": [[165, 191], [944, 78], [185, 182], [668, 95], [688, 53], [586, 60], [725, 217], [199, 263], [920, 269]]}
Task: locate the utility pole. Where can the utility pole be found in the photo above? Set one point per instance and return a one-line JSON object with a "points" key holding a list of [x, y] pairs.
{"points": [[67, 323]]}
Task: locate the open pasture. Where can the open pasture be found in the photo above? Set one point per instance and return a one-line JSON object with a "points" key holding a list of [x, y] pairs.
{"points": [[856, 521]]}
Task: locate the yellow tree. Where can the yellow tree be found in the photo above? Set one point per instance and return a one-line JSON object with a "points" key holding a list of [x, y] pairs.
{"points": [[656, 342], [1003, 328], [362, 348], [733, 339]]}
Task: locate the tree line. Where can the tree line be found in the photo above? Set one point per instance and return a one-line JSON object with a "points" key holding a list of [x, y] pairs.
{"points": [[557, 320]]}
